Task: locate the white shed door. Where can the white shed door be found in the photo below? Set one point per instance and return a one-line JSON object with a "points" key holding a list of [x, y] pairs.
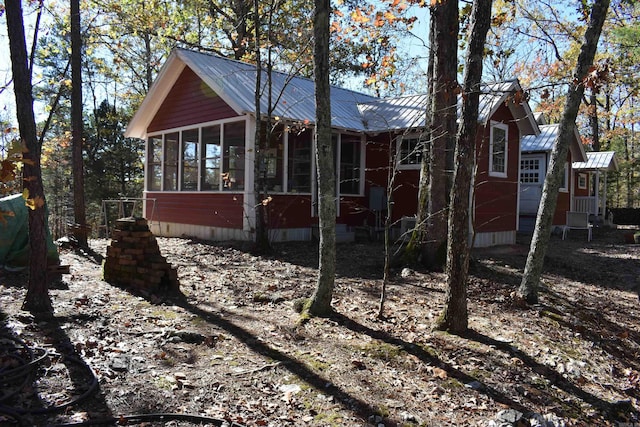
{"points": [[532, 173]]}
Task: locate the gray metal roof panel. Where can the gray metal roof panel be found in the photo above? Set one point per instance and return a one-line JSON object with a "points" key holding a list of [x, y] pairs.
{"points": [[598, 160], [295, 96], [542, 142], [395, 113]]}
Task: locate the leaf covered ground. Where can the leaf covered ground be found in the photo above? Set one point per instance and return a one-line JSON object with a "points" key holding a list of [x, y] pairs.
{"points": [[229, 350]]}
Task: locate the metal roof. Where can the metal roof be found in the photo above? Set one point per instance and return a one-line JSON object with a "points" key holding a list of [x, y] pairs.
{"points": [[545, 141], [598, 160], [294, 96], [394, 113], [234, 82]]}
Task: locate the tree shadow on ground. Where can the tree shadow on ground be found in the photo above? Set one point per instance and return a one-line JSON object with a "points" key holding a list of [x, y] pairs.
{"points": [[606, 261], [593, 325], [64, 365], [349, 402], [612, 411], [608, 410], [429, 359]]}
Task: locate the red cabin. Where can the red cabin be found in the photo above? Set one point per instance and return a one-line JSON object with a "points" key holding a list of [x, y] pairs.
{"points": [[199, 124]]}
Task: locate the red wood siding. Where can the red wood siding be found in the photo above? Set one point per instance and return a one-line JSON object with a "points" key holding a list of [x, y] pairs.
{"points": [[208, 209], [577, 191], [405, 197], [354, 211], [189, 102], [564, 200], [496, 199], [289, 211]]}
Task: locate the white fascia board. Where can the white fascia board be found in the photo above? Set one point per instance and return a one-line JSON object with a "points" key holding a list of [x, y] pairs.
{"points": [[137, 127]]}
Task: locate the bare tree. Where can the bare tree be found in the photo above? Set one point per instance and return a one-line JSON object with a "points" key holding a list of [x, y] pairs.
{"points": [[441, 121], [528, 289], [454, 318], [80, 230], [37, 299], [320, 302]]}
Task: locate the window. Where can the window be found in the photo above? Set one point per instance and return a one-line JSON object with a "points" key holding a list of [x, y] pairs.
{"points": [[190, 160], [564, 182], [299, 167], [350, 164], [154, 177], [530, 171], [498, 150], [272, 167], [233, 156], [210, 162], [170, 172], [582, 181], [410, 152], [189, 173]]}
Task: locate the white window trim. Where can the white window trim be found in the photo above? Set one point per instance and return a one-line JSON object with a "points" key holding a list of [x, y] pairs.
{"points": [[162, 134], [584, 176], [565, 189], [504, 127], [404, 166]]}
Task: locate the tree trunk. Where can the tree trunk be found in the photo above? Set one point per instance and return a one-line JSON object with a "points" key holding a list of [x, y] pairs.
{"points": [[455, 317], [262, 237], [37, 299], [444, 18], [593, 121], [528, 289], [80, 231], [411, 252], [320, 303]]}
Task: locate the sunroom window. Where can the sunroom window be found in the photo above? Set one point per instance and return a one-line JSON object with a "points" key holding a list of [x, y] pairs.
{"points": [[299, 167], [233, 157], [154, 176], [210, 161], [189, 177], [170, 172], [350, 164]]}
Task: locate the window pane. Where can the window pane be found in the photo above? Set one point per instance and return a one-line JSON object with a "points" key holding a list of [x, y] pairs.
{"points": [[350, 165], [210, 158], [190, 160], [154, 182], [498, 146], [299, 168], [272, 158], [171, 162], [410, 151], [233, 157]]}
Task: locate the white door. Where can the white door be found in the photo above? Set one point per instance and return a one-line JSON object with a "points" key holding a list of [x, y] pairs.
{"points": [[532, 173]]}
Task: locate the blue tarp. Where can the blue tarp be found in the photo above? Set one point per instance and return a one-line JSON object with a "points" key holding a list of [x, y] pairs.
{"points": [[14, 235]]}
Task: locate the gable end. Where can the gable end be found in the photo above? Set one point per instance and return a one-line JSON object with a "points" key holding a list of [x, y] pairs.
{"points": [[190, 101]]}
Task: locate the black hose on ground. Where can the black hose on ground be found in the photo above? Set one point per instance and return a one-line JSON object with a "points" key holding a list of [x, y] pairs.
{"points": [[162, 417], [26, 360]]}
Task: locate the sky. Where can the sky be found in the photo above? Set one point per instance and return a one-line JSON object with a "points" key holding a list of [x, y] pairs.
{"points": [[414, 46]]}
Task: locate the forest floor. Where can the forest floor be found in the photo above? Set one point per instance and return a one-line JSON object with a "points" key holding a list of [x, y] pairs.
{"points": [[228, 350]]}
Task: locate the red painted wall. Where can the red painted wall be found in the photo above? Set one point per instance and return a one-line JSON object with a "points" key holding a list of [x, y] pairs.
{"points": [[496, 199], [209, 209], [289, 211], [405, 196], [564, 203], [581, 192], [189, 102]]}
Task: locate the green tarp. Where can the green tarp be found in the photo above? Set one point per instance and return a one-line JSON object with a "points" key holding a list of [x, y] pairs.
{"points": [[14, 235]]}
